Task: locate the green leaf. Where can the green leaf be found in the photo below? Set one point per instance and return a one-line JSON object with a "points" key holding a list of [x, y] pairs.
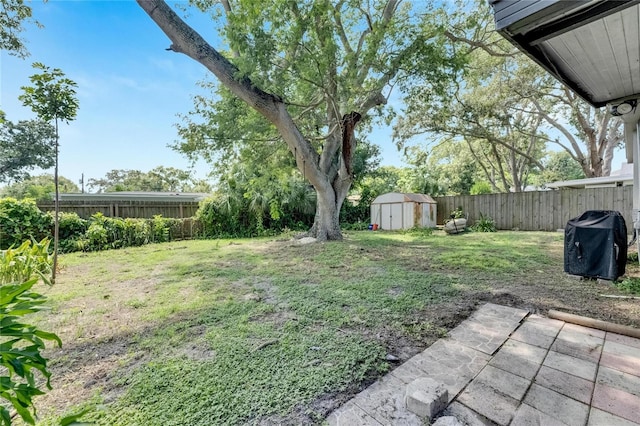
{"points": [[48, 336], [5, 416], [73, 419]]}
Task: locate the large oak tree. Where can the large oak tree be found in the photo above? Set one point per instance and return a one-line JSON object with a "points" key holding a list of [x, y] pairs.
{"points": [[314, 72], [506, 108]]}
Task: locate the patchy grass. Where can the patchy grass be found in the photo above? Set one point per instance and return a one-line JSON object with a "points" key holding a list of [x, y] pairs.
{"points": [[270, 332]]}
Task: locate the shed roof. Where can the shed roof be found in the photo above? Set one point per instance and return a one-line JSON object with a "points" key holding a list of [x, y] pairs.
{"points": [[400, 197]]}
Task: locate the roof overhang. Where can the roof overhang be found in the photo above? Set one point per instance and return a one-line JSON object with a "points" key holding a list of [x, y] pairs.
{"points": [[171, 197], [606, 181], [592, 46]]}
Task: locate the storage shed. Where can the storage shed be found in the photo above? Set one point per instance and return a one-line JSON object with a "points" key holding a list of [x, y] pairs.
{"points": [[396, 210]]}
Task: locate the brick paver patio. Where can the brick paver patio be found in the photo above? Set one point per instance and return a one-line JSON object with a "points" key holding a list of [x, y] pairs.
{"points": [[503, 366]]}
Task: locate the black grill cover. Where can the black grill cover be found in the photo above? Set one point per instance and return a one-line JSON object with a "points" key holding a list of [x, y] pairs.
{"points": [[595, 245]]}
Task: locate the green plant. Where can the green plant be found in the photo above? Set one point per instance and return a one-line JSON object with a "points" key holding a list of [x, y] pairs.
{"points": [[484, 224], [160, 229], [355, 226], [21, 344], [481, 187], [97, 237], [630, 285], [137, 232], [419, 231], [457, 213], [21, 220], [30, 259], [103, 233], [71, 225], [53, 98]]}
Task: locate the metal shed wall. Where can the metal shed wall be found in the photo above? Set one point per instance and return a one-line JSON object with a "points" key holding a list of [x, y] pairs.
{"points": [[394, 211]]}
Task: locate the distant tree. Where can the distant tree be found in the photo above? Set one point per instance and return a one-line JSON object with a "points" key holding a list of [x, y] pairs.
{"points": [[24, 146], [480, 187], [159, 179], [507, 109], [40, 188], [305, 76], [483, 117], [52, 98], [447, 168], [559, 166], [382, 180], [589, 135]]}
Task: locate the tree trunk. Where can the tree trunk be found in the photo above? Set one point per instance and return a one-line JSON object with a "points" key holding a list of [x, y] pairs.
{"points": [[330, 173], [56, 219], [326, 224]]}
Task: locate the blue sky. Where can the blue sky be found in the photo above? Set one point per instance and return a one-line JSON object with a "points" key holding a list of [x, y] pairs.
{"points": [[130, 88]]}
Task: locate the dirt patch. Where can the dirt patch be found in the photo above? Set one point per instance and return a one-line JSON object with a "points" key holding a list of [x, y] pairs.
{"points": [[102, 329], [88, 368], [268, 291]]}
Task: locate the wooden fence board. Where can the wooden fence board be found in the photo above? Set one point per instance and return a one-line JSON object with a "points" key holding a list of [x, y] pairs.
{"points": [[538, 210]]}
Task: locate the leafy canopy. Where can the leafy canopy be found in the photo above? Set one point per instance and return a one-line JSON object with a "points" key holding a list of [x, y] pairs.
{"points": [[322, 59], [159, 179], [52, 96], [13, 14], [39, 188], [25, 145]]}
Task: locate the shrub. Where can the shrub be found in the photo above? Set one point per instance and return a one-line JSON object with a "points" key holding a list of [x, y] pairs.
{"points": [[105, 233], [97, 237], [484, 224], [161, 228], [71, 225], [221, 218], [21, 221], [457, 213], [479, 188], [355, 226], [30, 259], [21, 344], [136, 232]]}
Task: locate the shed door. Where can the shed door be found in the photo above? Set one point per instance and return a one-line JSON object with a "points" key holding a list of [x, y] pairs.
{"points": [[396, 216], [385, 217], [427, 216]]}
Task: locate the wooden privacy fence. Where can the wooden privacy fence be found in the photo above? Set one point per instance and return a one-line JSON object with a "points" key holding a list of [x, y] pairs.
{"points": [[538, 210], [134, 208], [186, 229]]}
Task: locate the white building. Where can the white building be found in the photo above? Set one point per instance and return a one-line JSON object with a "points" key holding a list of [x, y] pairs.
{"points": [[622, 177]]}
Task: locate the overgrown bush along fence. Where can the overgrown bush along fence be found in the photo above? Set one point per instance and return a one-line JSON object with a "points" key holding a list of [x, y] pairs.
{"points": [[538, 210], [134, 208], [21, 220]]}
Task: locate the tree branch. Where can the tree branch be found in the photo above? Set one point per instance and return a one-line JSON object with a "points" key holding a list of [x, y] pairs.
{"points": [[474, 44], [187, 41]]}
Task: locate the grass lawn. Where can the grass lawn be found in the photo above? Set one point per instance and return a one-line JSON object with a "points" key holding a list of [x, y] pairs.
{"points": [[267, 332]]}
